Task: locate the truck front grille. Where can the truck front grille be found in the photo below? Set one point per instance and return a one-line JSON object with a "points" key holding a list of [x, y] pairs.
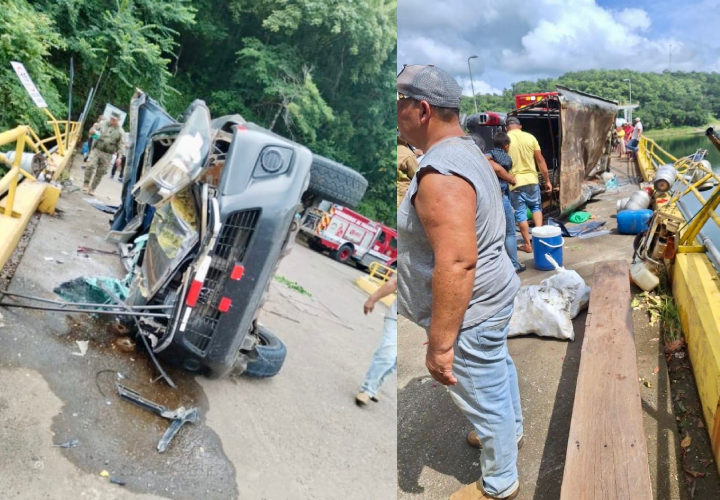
{"points": [[230, 248]]}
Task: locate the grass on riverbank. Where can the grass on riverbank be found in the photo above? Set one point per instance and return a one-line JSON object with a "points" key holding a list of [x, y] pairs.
{"points": [[686, 130]]}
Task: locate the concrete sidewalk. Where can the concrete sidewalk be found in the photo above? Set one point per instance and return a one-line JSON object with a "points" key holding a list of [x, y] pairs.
{"points": [[433, 458]]}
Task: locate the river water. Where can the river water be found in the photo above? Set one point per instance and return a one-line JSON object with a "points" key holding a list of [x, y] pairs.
{"points": [[683, 145]]}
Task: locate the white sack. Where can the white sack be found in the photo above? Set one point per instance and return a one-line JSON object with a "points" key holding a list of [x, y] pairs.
{"points": [[548, 309]]}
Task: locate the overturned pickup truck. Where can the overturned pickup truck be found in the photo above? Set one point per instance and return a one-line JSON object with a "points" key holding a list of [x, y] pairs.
{"points": [[209, 207], [572, 129]]}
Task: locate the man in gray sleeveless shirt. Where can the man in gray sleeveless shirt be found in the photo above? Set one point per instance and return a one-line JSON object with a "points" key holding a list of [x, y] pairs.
{"points": [[455, 278]]}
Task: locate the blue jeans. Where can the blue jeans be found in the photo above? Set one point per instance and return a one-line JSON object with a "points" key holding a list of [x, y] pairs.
{"points": [[384, 360], [487, 393], [510, 236], [525, 197]]}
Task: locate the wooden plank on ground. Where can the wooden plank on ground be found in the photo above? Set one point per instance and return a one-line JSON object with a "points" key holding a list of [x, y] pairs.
{"points": [[607, 454]]}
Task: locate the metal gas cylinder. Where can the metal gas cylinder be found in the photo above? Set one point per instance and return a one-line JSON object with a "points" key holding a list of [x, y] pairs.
{"points": [[664, 178], [640, 200]]}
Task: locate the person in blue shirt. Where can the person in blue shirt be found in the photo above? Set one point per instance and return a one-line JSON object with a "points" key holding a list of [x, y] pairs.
{"points": [[502, 164]]}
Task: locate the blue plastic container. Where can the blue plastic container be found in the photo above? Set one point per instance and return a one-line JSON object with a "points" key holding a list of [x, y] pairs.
{"points": [[547, 240], [633, 221]]}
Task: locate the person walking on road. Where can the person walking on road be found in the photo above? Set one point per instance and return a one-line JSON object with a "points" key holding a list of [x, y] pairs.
{"points": [[525, 193], [384, 360], [109, 142], [455, 278]]}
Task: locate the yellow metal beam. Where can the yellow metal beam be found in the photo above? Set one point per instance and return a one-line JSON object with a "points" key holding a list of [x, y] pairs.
{"points": [[370, 286], [29, 195], [13, 135], [696, 290], [692, 249], [699, 220], [58, 137]]}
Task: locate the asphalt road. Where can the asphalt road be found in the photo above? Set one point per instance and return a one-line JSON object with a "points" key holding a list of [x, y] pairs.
{"points": [[296, 436]]}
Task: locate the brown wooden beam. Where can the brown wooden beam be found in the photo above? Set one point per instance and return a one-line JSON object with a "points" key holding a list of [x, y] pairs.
{"points": [[607, 454]]}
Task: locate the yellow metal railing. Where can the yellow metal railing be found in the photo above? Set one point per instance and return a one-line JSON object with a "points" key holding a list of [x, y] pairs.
{"points": [[649, 151], [65, 137], [688, 168], [379, 273]]}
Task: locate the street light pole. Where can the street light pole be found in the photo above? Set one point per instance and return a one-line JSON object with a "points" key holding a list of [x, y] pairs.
{"points": [[630, 84], [472, 85]]}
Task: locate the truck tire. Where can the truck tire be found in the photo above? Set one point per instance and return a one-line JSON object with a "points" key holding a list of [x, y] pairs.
{"points": [[267, 357], [343, 253], [314, 244], [337, 183]]}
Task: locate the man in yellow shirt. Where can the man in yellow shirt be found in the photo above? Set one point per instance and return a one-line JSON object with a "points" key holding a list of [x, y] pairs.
{"points": [[525, 193]]}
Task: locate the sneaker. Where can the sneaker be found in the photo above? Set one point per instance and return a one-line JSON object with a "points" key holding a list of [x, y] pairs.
{"points": [[119, 179], [475, 491], [474, 441], [520, 269], [112, 176], [362, 399]]}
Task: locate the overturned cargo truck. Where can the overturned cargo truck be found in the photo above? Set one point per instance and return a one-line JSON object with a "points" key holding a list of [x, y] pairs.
{"points": [[573, 129]]}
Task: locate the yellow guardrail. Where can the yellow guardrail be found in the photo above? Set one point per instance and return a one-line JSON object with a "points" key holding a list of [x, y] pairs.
{"points": [[695, 284], [688, 168], [379, 274], [65, 137], [23, 199]]}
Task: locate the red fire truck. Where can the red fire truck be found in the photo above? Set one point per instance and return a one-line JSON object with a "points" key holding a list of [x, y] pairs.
{"points": [[350, 236]]}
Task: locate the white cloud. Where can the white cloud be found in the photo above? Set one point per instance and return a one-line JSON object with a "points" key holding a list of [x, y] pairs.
{"points": [[636, 19], [481, 86], [518, 39]]}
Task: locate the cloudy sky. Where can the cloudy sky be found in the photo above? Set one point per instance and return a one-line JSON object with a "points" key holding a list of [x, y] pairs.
{"points": [[529, 39]]}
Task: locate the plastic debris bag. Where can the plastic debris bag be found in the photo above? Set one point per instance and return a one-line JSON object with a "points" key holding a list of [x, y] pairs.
{"points": [[549, 308]]}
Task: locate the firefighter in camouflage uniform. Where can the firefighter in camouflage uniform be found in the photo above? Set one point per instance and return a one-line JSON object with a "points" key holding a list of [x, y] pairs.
{"points": [[109, 142]]}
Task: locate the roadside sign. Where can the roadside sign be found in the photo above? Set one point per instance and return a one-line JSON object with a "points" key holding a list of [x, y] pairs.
{"points": [[28, 84], [109, 108]]}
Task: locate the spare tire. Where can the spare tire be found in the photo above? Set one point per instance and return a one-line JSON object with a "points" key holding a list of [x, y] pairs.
{"points": [[267, 357], [335, 182]]}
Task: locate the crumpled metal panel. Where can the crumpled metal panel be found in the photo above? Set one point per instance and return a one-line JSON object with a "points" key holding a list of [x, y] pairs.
{"points": [[585, 121]]}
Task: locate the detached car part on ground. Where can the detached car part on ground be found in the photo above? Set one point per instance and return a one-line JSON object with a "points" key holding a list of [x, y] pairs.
{"points": [[209, 207], [572, 129]]}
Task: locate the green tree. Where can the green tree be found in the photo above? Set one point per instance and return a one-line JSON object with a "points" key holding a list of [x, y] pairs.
{"points": [[28, 37], [317, 71], [130, 42], [666, 99]]}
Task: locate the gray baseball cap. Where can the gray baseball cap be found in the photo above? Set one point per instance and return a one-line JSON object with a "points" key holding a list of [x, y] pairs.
{"points": [[512, 120], [431, 84]]}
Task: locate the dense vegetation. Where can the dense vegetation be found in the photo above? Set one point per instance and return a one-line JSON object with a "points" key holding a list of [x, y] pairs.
{"points": [[666, 99], [318, 71]]}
